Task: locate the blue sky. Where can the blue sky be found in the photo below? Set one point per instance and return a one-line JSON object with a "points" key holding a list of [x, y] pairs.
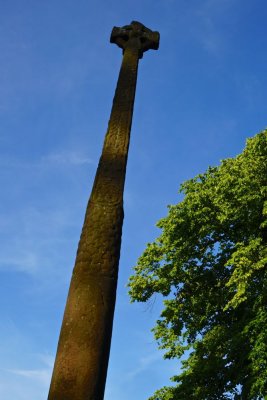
{"points": [[198, 98]]}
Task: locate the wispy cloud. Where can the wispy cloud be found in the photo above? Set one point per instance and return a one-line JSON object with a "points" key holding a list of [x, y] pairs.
{"points": [[38, 225], [23, 261], [47, 359], [39, 375], [34, 68], [42, 376], [145, 363], [207, 28], [149, 373], [66, 157], [36, 247]]}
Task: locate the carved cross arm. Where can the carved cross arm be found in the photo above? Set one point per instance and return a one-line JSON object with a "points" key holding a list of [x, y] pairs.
{"points": [[135, 36]]}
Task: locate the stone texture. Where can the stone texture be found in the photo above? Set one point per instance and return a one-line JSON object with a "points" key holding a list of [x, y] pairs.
{"points": [[83, 350]]}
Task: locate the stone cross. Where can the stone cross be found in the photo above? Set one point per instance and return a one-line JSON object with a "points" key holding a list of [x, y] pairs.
{"points": [[135, 36], [84, 344]]}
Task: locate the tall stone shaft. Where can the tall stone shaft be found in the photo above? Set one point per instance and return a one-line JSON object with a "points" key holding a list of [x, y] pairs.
{"points": [[84, 344]]}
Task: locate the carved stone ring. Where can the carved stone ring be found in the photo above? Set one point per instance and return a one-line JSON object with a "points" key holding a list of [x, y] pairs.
{"points": [[136, 37]]}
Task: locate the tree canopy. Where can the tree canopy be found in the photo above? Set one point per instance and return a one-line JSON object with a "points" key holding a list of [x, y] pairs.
{"points": [[209, 263]]}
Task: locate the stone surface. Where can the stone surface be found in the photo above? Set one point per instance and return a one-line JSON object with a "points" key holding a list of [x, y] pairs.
{"points": [[83, 350], [137, 36]]}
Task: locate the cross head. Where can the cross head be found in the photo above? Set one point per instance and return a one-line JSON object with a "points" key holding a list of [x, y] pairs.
{"points": [[135, 36]]}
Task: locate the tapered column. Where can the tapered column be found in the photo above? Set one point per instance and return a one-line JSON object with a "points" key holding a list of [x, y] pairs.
{"points": [[84, 344]]}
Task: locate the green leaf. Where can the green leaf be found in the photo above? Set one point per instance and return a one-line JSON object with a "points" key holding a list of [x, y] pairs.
{"points": [[209, 264]]}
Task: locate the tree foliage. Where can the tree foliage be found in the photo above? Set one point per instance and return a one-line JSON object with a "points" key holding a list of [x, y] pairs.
{"points": [[210, 265]]}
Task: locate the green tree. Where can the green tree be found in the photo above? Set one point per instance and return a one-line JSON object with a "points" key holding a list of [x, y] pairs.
{"points": [[209, 263]]}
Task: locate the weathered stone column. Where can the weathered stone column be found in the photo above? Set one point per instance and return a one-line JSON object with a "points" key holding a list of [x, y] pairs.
{"points": [[83, 349]]}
